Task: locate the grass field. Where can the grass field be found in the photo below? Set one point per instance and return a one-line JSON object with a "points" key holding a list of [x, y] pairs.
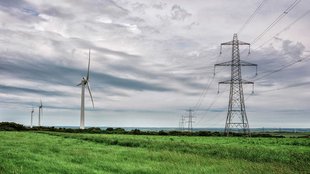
{"points": [[51, 152]]}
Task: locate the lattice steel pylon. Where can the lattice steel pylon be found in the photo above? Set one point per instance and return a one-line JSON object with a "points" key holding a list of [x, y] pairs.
{"points": [[190, 120], [236, 114]]}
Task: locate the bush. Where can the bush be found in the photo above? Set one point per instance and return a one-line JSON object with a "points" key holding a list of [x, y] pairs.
{"points": [[10, 126], [162, 133], [135, 132], [119, 131], [109, 129], [93, 130]]}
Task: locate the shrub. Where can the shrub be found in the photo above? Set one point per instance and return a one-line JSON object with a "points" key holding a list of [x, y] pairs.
{"points": [[10, 126]]}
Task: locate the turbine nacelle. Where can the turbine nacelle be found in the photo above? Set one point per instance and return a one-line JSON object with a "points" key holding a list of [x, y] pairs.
{"points": [[84, 80]]}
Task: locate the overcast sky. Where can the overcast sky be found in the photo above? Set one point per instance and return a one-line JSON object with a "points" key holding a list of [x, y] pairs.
{"points": [[150, 61]]}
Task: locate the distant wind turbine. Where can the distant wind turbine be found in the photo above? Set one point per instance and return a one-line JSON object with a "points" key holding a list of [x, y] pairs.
{"points": [[84, 82], [40, 112], [31, 119]]}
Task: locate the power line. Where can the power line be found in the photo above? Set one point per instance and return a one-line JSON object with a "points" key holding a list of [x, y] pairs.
{"points": [[292, 6], [261, 77], [282, 68], [204, 92], [277, 20], [286, 28], [211, 105], [278, 70], [251, 17], [288, 86]]}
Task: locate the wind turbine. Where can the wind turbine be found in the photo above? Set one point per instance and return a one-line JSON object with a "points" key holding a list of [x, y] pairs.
{"points": [[31, 119], [40, 111], [84, 82]]}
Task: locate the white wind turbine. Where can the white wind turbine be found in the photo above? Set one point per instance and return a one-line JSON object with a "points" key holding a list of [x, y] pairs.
{"points": [[40, 113], [84, 82], [31, 119]]}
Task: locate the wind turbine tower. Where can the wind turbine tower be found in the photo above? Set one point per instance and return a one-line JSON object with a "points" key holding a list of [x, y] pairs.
{"points": [[85, 82], [40, 113], [31, 118]]}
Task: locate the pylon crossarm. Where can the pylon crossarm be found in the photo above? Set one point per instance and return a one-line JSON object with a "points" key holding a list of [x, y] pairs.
{"points": [[245, 63], [223, 82], [246, 82], [227, 43], [243, 43], [236, 82], [228, 63]]}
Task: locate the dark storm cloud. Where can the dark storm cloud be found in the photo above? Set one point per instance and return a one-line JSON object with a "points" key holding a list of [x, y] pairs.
{"points": [[51, 73], [86, 44], [13, 3], [21, 90], [8, 102], [57, 12], [161, 76], [21, 10]]}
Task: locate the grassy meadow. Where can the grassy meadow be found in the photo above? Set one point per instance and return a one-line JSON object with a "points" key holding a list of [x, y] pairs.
{"points": [[52, 152]]}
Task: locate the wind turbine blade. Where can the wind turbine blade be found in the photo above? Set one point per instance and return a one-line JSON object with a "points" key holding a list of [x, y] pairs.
{"points": [[87, 77], [41, 102], [91, 96], [79, 84]]}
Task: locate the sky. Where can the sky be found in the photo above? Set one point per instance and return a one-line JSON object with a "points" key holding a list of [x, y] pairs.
{"points": [[151, 61]]}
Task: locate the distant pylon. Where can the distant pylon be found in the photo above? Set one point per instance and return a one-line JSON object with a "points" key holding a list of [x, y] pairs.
{"points": [[190, 120], [182, 122], [236, 114]]}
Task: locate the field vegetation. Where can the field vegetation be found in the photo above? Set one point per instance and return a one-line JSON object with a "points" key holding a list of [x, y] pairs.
{"points": [[58, 152]]}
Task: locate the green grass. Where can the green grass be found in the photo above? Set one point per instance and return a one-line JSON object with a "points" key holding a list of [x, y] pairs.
{"points": [[51, 152]]}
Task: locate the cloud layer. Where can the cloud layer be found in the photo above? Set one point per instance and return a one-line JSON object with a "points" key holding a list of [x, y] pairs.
{"points": [[149, 61]]}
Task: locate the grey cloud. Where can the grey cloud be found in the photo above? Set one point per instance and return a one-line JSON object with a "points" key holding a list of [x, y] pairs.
{"points": [[160, 5], [21, 10], [178, 13], [173, 56], [57, 12], [292, 49], [86, 44], [163, 77], [139, 7], [109, 7], [129, 83], [14, 3], [21, 90], [49, 72]]}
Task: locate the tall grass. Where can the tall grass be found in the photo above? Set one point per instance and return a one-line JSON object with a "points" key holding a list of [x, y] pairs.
{"points": [[26, 152]]}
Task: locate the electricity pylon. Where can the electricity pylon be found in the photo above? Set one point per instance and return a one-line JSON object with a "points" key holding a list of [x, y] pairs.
{"points": [[190, 120], [236, 115], [181, 123]]}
